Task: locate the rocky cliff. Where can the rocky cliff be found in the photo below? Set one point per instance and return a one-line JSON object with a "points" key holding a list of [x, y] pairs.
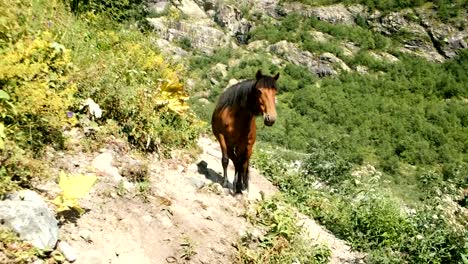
{"points": [[210, 24]]}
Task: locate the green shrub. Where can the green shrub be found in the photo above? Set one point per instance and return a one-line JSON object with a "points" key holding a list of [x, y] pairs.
{"points": [[119, 10], [364, 213], [284, 241]]}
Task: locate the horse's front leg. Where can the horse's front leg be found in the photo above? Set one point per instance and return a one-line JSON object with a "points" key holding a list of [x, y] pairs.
{"points": [[245, 174], [225, 162], [238, 176]]}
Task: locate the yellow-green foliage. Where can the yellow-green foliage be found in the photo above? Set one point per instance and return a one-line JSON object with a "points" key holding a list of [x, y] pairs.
{"points": [[36, 93], [284, 242], [135, 86], [34, 73], [15, 250]]}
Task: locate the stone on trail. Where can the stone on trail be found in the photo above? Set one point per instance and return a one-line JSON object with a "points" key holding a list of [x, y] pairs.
{"points": [[103, 163], [27, 214], [68, 252]]}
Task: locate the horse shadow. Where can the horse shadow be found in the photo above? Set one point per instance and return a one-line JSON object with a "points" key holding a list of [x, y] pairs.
{"points": [[212, 175]]}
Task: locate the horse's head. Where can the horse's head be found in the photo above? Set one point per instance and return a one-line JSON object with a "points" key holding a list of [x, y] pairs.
{"points": [[266, 91]]}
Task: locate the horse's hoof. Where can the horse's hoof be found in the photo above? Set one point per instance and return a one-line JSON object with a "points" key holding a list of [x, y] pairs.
{"points": [[226, 184], [239, 196]]}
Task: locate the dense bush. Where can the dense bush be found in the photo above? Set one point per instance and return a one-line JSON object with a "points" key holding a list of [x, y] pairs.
{"points": [[52, 61], [119, 10], [362, 211], [445, 9], [284, 240]]}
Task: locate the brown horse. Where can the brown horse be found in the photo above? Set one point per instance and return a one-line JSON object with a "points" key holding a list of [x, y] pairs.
{"points": [[233, 123]]}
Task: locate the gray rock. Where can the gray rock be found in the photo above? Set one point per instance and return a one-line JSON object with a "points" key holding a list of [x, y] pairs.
{"points": [[331, 58], [333, 13], [362, 69], [445, 37], [384, 56], [230, 17], [257, 45], [201, 34], [157, 6], [191, 9], [320, 36], [167, 48], [290, 52], [207, 5], [267, 7], [103, 163], [197, 183], [27, 214], [68, 252]]}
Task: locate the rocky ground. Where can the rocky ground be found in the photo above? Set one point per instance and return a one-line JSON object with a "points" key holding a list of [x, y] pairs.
{"points": [[178, 214]]}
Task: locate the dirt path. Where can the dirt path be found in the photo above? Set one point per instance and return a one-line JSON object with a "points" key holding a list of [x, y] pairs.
{"points": [[188, 217]]}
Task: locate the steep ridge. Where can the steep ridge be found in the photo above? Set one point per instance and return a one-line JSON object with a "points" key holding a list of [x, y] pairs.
{"points": [[187, 217]]}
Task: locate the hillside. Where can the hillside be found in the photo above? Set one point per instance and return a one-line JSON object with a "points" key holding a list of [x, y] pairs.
{"points": [[114, 98]]}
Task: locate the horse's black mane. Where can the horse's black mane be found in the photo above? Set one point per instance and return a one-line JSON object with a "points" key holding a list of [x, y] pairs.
{"points": [[241, 94]]}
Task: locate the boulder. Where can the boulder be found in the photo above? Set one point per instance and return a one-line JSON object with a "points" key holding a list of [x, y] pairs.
{"points": [[331, 58], [446, 38], [190, 8], [103, 163], [27, 214], [383, 56], [230, 17], [68, 252], [415, 37], [257, 45], [201, 34], [291, 53], [157, 6], [167, 48], [334, 14]]}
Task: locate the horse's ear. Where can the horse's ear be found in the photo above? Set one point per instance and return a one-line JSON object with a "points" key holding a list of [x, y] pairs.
{"points": [[276, 76], [259, 74]]}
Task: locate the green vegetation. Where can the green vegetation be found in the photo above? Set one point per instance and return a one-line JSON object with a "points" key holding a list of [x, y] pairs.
{"points": [[15, 250], [295, 28], [405, 117], [359, 209], [445, 9], [283, 241], [53, 60], [404, 124]]}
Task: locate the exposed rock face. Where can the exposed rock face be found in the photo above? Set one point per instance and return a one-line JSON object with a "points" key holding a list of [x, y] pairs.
{"points": [[446, 38], [333, 14], [28, 215], [230, 17], [330, 58], [157, 6], [168, 48], [190, 8], [202, 37], [383, 56], [291, 53], [268, 7], [421, 33]]}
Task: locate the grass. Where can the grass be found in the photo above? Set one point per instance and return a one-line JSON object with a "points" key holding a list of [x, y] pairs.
{"points": [[283, 240], [102, 55], [355, 205]]}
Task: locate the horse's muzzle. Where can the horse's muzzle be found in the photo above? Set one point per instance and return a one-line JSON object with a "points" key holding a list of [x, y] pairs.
{"points": [[269, 120]]}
